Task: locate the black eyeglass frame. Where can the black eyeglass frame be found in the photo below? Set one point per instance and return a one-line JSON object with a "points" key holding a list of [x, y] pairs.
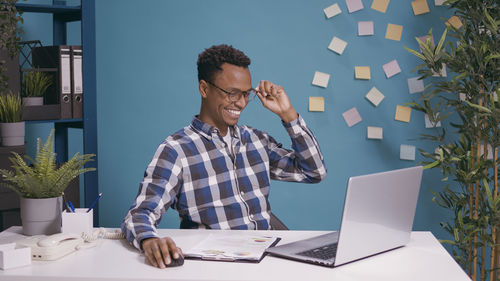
{"points": [[236, 96]]}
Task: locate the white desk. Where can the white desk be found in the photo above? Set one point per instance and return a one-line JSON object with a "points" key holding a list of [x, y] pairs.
{"points": [[422, 259]]}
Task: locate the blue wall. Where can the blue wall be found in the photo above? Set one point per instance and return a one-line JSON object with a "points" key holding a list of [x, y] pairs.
{"points": [[147, 89]]}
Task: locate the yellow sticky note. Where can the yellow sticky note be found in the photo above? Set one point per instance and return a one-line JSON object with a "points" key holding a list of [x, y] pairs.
{"points": [[403, 113], [420, 7], [316, 104], [380, 5], [394, 32], [362, 72], [455, 22]]}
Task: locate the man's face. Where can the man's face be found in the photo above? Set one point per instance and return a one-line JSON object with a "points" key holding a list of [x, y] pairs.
{"points": [[218, 110]]}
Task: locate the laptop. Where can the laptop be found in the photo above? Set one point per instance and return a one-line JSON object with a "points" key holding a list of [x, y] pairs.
{"points": [[378, 216]]}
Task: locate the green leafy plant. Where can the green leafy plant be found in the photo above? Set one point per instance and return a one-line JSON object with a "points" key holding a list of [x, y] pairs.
{"points": [[35, 83], [9, 35], [11, 108], [43, 178], [467, 146]]}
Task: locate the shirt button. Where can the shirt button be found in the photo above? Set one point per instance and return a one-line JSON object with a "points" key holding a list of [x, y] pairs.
{"points": [[242, 193], [252, 217]]}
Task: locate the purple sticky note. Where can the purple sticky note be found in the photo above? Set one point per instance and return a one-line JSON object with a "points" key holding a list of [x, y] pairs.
{"points": [[424, 38], [391, 68], [354, 5], [352, 117], [365, 28]]}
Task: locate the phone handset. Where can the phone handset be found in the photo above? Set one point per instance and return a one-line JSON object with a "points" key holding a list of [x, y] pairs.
{"points": [[56, 239]]}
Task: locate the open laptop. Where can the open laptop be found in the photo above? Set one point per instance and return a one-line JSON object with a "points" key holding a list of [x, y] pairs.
{"points": [[378, 216]]}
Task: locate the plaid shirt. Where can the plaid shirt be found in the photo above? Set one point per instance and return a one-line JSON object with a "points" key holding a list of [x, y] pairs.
{"points": [[194, 172]]}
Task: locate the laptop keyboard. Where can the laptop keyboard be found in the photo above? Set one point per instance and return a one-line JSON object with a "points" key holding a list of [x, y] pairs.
{"points": [[324, 252]]}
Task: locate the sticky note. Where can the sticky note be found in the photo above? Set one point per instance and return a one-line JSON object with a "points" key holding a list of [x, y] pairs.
{"points": [[354, 5], [380, 5], [365, 28], [495, 96], [423, 39], [332, 11], [321, 79], [463, 96], [420, 7], [442, 72], [439, 2], [429, 124], [455, 22], [374, 132], [352, 117], [407, 152], [415, 85], [490, 151], [375, 96], [403, 113], [394, 32], [316, 104], [362, 72], [337, 45], [391, 68]]}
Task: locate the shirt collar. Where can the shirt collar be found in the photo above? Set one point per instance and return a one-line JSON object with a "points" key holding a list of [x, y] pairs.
{"points": [[209, 131]]}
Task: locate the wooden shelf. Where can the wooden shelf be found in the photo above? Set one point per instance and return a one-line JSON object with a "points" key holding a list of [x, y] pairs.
{"points": [[64, 13]]}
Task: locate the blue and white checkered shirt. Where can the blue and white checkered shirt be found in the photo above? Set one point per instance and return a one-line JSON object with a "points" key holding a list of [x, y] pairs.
{"points": [[194, 172]]}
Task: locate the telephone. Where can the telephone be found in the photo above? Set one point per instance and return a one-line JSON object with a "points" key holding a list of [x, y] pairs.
{"points": [[51, 247]]}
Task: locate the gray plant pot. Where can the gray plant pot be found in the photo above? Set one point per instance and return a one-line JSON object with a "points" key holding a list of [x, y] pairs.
{"points": [[41, 216], [33, 101], [12, 133]]}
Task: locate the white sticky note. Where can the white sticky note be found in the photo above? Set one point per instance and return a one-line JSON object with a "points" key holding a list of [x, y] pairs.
{"points": [[439, 2], [321, 79], [337, 45], [429, 124], [463, 96], [490, 151], [415, 85], [391, 68], [365, 28], [332, 11], [375, 96], [354, 5], [374, 132], [441, 73], [407, 152], [495, 96], [352, 117]]}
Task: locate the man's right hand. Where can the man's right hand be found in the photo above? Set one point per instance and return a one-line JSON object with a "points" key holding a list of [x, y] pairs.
{"points": [[160, 251]]}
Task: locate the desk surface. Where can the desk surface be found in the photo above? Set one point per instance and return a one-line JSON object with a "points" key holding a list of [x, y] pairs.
{"points": [[422, 259]]}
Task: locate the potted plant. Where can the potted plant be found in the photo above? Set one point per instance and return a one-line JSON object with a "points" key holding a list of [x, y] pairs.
{"points": [[11, 123], [9, 45], [34, 85], [467, 149], [40, 183]]}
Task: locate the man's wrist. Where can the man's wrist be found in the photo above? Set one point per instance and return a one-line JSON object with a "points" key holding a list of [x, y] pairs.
{"points": [[289, 115]]}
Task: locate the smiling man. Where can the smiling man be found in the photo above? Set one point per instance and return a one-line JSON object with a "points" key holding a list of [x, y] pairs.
{"points": [[214, 172]]}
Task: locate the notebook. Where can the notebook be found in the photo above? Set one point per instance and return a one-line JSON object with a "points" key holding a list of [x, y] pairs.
{"points": [[378, 216]]}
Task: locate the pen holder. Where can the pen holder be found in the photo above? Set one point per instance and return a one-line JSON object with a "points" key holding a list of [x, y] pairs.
{"points": [[78, 222]]}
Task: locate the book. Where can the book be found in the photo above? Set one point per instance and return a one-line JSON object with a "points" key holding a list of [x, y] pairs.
{"points": [[235, 247]]}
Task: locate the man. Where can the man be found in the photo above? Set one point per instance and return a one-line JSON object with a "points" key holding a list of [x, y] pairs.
{"points": [[215, 173]]}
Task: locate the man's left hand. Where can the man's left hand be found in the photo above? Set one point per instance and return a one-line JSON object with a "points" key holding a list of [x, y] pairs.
{"points": [[274, 98]]}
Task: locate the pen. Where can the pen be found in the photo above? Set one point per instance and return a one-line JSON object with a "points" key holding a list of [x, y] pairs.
{"points": [[71, 207], [94, 203]]}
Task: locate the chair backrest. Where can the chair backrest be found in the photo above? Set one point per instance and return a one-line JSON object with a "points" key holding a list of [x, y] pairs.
{"points": [[276, 224]]}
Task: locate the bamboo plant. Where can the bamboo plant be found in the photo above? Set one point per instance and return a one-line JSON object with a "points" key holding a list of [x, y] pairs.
{"points": [[467, 149], [35, 83], [42, 177], [11, 108]]}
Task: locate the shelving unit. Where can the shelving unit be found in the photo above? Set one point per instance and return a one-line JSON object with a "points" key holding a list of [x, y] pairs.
{"points": [[63, 14]]}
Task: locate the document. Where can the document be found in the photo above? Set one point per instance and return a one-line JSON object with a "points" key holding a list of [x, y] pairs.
{"points": [[241, 247]]}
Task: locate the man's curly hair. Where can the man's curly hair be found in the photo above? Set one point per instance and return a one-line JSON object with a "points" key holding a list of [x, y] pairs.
{"points": [[210, 60]]}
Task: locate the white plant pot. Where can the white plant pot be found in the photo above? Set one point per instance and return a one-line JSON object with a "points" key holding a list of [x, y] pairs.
{"points": [[33, 101], [41, 215], [12, 133]]}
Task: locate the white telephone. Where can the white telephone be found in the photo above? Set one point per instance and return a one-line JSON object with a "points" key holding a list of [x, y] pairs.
{"points": [[52, 247]]}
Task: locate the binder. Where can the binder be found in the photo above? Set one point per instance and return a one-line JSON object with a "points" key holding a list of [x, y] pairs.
{"points": [[77, 82], [58, 57]]}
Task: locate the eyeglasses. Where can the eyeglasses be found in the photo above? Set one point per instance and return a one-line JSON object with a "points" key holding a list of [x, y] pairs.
{"points": [[236, 95]]}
